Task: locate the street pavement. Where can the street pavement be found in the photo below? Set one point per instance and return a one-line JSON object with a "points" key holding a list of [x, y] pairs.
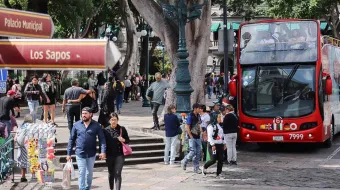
{"points": [[278, 167]]}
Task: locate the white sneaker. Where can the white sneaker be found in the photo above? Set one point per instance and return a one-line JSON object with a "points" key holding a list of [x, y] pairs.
{"points": [[204, 171]]}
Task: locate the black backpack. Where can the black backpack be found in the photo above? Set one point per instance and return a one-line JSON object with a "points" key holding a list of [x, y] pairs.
{"points": [[119, 87]]}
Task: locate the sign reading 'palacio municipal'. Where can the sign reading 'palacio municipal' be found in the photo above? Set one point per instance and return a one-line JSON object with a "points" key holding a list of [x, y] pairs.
{"points": [[16, 23]]}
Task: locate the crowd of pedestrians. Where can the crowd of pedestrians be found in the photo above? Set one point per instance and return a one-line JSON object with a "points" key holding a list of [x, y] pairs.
{"points": [[214, 134]]}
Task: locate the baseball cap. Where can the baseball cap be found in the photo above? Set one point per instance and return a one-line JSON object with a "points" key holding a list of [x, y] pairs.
{"points": [[11, 93], [87, 109], [222, 108]]}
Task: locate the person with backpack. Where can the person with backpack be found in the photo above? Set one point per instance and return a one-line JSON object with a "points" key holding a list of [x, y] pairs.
{"points": [[193, 128], [20, 137], [216, 146], [17, 97], [230, 129], [119, 88]]}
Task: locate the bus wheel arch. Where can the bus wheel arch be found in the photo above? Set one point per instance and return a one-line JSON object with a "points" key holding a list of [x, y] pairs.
{"points": [[329, 142]]}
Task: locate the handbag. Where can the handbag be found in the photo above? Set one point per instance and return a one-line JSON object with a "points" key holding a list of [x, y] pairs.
{"points": [[127, 150], [196, 129], [94, 106]]}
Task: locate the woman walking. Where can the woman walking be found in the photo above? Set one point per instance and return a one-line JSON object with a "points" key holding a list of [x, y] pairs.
{"points": [[115, 135], [171, 132], [17, 97], [230, 128], [49, 89], [216, 146]]}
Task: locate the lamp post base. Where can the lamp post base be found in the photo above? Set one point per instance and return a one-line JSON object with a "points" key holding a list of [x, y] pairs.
{"points": [[146, 103]]}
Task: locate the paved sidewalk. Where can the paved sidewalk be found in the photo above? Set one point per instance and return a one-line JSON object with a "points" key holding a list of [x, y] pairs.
{"points": [[256, 170]]}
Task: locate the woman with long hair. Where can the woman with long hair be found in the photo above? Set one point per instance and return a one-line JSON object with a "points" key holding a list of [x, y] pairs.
{"points": [[115, 135], [216, 145], [49, 89]]}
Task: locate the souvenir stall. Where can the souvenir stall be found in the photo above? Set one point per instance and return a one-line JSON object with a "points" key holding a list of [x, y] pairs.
{"points": [[40, 142]]}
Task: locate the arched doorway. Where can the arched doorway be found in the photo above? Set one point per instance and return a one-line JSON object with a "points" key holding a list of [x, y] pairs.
{"points": [[230, 65]]}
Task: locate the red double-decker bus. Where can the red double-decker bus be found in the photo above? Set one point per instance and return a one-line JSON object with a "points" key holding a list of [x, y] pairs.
{"points": [[287, 83]]}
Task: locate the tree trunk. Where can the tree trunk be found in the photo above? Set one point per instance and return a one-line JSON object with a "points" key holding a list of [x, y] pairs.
{"points": [[131, 56], [334, 16], [197, 35]]}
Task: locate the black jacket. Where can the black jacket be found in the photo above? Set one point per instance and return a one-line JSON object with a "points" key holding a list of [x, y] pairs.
{"points": [[113, 146], [30, 92], [230, 123]]}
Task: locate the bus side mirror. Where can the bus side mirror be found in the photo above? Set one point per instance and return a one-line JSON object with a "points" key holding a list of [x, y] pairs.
{"points": [[328, 86], [233, 88]]}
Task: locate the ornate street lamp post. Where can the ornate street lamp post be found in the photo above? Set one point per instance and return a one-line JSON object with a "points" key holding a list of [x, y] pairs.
{"points": [[146, 33], [180, 14]]}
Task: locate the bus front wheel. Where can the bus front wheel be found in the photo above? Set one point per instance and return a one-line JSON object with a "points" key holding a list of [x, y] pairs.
{"points": [[329, 142]]}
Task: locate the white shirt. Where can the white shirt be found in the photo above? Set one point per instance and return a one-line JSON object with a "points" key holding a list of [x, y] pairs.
{"points": [[205, 119], [211, 132]]}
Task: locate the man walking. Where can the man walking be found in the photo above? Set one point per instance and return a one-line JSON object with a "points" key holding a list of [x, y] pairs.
{"points": [[33, 94], [193, 127], [158, 88], [83, 137], [6, 105], [73, 108]]}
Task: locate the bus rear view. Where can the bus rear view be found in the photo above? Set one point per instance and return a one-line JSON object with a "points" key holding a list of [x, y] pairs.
{"points": [[280, 83]]}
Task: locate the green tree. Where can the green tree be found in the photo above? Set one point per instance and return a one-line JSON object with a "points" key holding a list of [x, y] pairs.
{"points": [[158, 54], [311, 9], [246, 8]]}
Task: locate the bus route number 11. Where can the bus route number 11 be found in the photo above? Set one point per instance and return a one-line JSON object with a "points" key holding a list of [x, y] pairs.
{"points": [[296, 136]]}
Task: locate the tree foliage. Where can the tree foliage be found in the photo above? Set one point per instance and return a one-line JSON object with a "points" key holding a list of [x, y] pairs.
{"points": [[311, 9], [246, 8]]}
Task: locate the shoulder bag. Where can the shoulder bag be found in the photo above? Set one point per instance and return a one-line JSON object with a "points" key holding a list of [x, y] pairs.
{"points": [[127, 150]]}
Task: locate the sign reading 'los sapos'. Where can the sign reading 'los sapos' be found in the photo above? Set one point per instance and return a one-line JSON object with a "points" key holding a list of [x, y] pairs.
{"points": [[55, 54], [14, 23]]}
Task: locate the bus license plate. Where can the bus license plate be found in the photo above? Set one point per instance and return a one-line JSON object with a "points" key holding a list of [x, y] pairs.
{"points": [[277, 138]]}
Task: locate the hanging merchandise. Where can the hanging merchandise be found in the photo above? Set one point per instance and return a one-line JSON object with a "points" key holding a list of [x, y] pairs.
{"points": [[40, 145]]}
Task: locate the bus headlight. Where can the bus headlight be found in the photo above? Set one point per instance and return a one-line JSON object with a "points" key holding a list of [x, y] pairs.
{"points": [[249, 126], [308, 125]]}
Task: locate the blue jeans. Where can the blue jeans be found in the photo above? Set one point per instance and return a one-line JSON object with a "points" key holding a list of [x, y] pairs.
{"points": [[195, 147], [119, 101], [33, 106], [209, 91], [85, 168]]}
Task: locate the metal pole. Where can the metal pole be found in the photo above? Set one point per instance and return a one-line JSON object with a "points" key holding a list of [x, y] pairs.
{"points": [[146, 102], [225, 39], [147, 56], [163, 60]]}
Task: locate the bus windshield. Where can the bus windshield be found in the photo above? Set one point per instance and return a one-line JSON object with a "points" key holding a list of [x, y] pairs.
{"points": [[273, 42], [285, 91]]}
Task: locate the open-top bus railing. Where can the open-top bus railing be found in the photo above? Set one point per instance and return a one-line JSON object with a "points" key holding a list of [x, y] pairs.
{"points": [[330, 40], [7, 159]]}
